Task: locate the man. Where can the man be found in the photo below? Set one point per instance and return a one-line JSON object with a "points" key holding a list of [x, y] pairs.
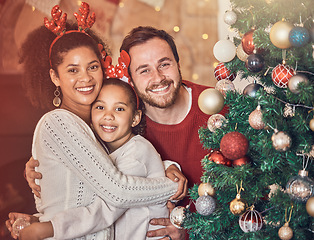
{"points": [[172, 113]]}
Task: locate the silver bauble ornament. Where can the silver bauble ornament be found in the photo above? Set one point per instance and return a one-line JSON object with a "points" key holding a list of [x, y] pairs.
{"points": [[285, 232], [251, 89], [177, 216], [300, 188], [211, 101], [216, 121], [294, 82], [18, 225], [281, 141], [205, 205], [230, 17]]}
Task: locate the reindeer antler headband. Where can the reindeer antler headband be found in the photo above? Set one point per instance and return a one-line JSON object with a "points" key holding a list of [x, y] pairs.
{"points": [[58, 23]]}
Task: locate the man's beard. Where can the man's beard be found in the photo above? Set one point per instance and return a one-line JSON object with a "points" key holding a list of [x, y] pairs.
{"points": [[160, 102]]}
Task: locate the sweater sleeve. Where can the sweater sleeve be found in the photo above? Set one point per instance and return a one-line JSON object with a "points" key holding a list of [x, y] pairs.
{"points": [[77, 222], [71, 140]]}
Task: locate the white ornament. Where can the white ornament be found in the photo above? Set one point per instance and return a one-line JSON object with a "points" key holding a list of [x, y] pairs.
{"points": [[230, 17], [177, 216], [224, 50]]}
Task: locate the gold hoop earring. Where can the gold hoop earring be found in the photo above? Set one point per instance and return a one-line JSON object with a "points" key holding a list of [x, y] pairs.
{"points": [[57, 100]]}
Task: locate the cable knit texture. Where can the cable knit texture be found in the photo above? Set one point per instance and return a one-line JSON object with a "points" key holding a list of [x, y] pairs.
{"points": [[76, 169]]}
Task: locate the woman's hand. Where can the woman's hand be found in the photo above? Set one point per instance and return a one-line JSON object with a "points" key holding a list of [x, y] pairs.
{"points": [[13, 216], [31, 175], [176, 175]]}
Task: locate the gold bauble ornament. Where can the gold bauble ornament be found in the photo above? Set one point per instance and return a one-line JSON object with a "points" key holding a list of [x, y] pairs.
{"points": [[241, 54], [279, 34], [310, 206], [238, 205], [206, 188], [281, 141], [211, 101], [312, 124], [256, 119], [285, 232]]}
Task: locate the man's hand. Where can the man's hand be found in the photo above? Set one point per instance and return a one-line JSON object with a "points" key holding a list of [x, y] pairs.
{"points": [[31, 175], [13, 216], [170, 230], [176, 175]]}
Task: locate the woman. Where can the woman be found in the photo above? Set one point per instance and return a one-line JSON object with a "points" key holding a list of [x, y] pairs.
{"points": [[77, 170]]}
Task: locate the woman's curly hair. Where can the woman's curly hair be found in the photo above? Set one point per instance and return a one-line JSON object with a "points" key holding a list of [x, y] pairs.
{"points": [[34, 55]]}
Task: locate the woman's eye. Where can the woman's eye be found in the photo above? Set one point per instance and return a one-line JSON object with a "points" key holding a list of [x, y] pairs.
{"points": [[94, 67]]}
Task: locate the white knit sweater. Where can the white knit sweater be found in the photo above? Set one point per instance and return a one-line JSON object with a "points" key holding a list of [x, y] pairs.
{"points": [[76, 169]]}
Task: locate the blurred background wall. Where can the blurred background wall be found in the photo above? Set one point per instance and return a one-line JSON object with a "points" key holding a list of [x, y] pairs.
{"points": [[196, 26]]}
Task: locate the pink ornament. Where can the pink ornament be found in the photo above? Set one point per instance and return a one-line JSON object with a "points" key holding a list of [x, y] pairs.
{"points": [[221, 72], [256, 119], [224, 85], [281, 75]]}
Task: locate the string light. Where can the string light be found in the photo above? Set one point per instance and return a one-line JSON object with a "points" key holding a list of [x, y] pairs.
{"points": [[205, 36], [176, 28]]}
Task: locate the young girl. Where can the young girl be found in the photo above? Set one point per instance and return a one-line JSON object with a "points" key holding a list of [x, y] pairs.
{"points": [[76, 169], [116, 119]]}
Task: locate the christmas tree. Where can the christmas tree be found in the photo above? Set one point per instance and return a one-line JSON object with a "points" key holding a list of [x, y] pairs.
{"points": [[257, 180]]}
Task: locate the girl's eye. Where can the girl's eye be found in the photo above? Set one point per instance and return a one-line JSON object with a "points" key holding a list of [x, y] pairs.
{"points": [[72, 70], [99, 107], [119, 109]]}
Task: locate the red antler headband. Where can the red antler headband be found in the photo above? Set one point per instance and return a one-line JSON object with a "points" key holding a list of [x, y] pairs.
{"points": [[58, 23]]}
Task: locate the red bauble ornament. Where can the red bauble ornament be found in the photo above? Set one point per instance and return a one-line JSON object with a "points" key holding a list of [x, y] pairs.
{"points": [[247, 42], [281, 75], [234, 145], [221, 72], [217, 157], [241, 161]]}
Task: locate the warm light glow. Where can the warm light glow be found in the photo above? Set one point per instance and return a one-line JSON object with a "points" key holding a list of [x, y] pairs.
{"points": [[33, 8], [205, 36], [195, 76], [157, 9], [79, 3], [215, 64], [121, 4], [176, 28]]}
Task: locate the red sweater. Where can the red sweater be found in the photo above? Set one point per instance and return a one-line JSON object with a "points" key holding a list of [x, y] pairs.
{"points": [[181, 142]]}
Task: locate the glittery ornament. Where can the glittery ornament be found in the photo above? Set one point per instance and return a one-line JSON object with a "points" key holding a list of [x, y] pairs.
{"points": [[295, 80], [281, 141], [177, 216], [224, 85], [256, 119], [230, 17], [310, 206], [300, 188], [205, 205], [221, 72], [279, 34], [288, 111], [299, 36], [217, 157], [224, 50], [211, 101], [251, 89], [18, 225], [234, 145], [206, 188], [285, 232], [215, 121], [251, 221], [241, 54], [241, 161], [247, 42], [255, 63], [311, 124], [238, 205], [281, 75]]}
